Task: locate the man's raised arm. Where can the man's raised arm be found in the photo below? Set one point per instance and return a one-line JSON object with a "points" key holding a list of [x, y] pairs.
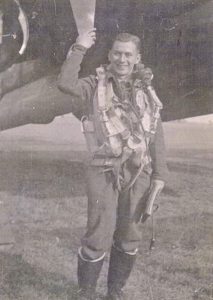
{"points": [[68, 80]]}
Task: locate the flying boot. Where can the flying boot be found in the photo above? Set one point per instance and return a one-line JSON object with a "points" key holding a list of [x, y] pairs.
{"points": [[120, 267], [88, 273]]}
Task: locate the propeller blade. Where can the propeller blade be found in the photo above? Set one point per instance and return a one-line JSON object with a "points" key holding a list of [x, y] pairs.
{"points": [[1, 26], [24, 26], [84, 14]]}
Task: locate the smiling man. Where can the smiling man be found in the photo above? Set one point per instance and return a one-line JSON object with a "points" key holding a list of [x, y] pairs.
{"points": [[124, 55], [120, 117]]}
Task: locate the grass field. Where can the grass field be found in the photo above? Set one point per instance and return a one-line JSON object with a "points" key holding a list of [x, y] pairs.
{"points": [[43, 216]]}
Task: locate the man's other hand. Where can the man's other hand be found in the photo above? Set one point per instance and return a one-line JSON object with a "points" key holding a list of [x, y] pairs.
{"points": [[87, 39]]}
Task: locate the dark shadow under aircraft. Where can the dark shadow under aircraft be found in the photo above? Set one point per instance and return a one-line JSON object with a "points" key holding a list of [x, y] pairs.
{"points": [[35, 35]]}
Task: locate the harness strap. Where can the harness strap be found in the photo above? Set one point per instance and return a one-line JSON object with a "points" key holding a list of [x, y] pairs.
{"points": [[133, 179]]}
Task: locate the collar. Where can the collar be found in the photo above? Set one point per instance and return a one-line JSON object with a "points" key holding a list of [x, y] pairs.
{"points": [[111, 75], [133, 79]]}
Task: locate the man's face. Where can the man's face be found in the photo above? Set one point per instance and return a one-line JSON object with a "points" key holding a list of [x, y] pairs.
{"points": [[123, 56]]}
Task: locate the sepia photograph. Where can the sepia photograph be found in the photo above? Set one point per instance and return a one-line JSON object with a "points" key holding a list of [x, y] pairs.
{"points": [[106, 149]]}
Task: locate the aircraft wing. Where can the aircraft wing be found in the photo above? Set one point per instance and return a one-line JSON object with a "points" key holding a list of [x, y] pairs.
{"points": [[38, 102], [177, 44]]}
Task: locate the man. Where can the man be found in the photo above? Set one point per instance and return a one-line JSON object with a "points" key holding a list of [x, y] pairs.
{"points": [[121, 122]]}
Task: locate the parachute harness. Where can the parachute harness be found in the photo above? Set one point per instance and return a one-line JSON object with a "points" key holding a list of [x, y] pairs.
{"points": [[123, 129]]}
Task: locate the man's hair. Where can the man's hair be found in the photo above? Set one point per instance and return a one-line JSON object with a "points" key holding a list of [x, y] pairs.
{"points": [[128, 37]]}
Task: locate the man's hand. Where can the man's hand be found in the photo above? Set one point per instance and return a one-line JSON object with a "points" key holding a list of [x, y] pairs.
{"points": [[87, 39], [154, 191]]}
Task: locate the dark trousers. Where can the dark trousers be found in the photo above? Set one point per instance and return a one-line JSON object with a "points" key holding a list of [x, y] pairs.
{"points": [[112, 215]]}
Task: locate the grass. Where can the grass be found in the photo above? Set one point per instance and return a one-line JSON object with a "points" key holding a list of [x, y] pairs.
{"points": [[43, 204]]}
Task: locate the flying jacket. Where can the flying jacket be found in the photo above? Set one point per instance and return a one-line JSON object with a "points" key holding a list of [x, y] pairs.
{"points": [[83, 90]]}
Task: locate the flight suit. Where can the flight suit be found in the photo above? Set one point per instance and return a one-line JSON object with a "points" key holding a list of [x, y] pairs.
{"points": [[113, 216]]}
